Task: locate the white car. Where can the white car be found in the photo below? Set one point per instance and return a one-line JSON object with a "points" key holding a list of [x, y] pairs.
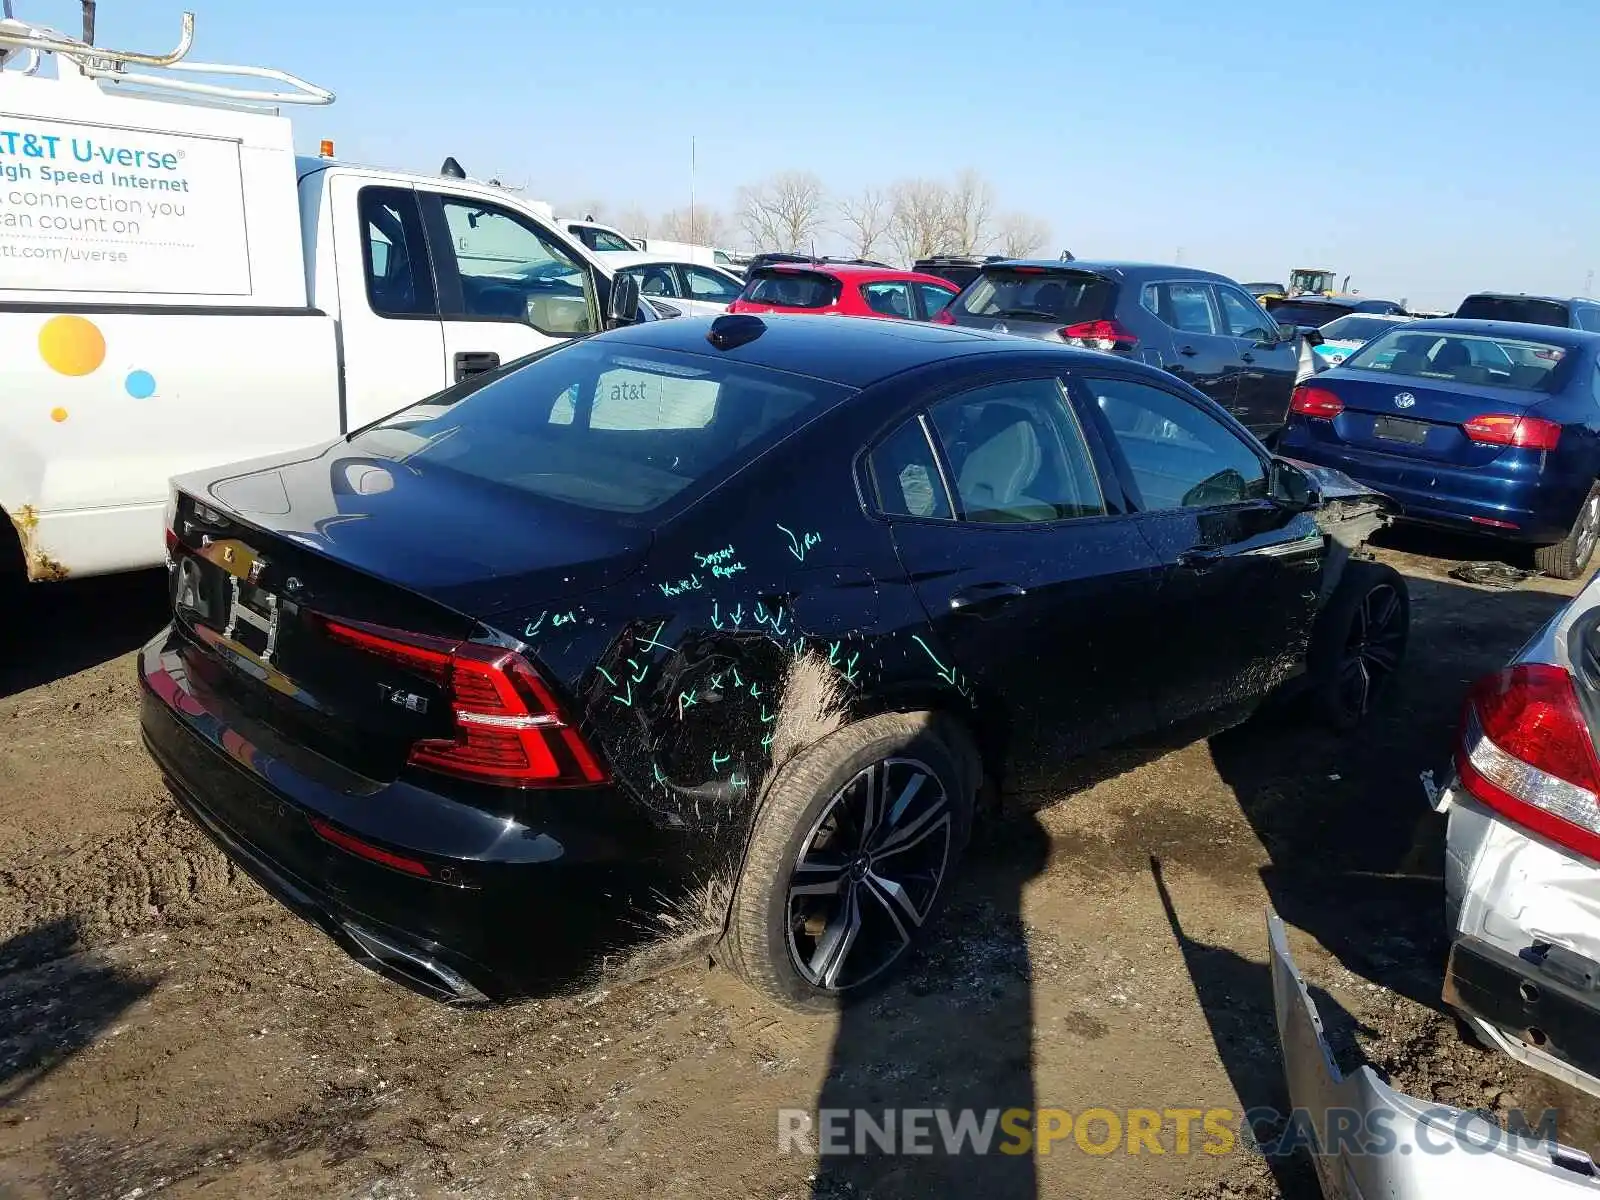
{"points": [[1522, 863], [694, 289], [1343, 337]]}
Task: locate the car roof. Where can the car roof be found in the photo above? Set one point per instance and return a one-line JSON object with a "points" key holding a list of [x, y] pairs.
{"points": [[1556, 335], [853, 272], [853, 351], [1530, 296], [645, 258], [1133, 272]]}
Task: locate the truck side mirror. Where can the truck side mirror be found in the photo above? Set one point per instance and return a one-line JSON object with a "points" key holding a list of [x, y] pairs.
{"points": [[624, 306]]}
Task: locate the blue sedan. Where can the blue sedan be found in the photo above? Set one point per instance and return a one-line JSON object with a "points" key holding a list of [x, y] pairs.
{"points": [[1484, 426]]}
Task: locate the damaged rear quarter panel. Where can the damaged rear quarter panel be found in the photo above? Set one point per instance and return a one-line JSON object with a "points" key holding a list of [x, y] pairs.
{"points": [[741, 643]]}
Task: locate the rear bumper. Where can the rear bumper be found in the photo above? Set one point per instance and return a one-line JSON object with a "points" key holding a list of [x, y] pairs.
{"points": [[1542, 512], [508, 908]]}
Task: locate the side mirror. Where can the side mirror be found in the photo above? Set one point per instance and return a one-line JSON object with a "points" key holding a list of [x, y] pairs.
{"points": [[624, 306], [1291, 487], [1287, 332], [1314, 337]]}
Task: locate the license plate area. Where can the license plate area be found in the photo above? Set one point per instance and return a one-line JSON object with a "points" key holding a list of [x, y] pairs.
{"points": [[1397, 429], [253, 618]]}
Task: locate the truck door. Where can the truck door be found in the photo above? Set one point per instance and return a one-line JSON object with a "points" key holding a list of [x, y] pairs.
{"points": [[507, 285], [390, 331]]}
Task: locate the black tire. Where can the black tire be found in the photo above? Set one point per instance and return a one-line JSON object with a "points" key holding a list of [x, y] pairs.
{"points": [[1568, 557], [816, 806], [1358, 643]]}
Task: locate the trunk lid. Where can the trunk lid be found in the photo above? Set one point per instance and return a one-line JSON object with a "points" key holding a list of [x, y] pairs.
{"points": [[1413, 417], [268, 557]]}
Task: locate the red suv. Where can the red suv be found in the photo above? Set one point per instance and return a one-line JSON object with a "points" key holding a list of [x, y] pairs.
{"points": [[844, 288]]}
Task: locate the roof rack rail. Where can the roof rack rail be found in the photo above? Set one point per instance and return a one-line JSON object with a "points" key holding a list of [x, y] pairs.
{"points": [[111, 66]]}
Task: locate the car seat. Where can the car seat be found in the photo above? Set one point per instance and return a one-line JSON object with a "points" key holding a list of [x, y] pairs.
{"points": [[1049, 298], [1004, 461], [1450, 357]]}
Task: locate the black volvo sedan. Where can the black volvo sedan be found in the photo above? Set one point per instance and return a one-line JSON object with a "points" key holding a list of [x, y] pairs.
{"points": [[703, 636]]}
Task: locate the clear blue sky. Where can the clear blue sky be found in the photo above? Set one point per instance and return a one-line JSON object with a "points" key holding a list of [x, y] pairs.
{"points": [[1426, 147]]}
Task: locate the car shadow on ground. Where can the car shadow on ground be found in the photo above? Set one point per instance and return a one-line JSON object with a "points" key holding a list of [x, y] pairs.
{"points": [[956, 1033], [52, 630], [52, 1010]]}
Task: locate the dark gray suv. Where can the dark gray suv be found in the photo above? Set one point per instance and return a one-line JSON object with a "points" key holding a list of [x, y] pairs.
{"points": [[1203, 327]]}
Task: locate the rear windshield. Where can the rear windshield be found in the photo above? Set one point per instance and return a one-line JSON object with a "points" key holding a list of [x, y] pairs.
{"points": [[1038, 295], [1355, 329], [791, 289], [606, 425], [1513, 308], [1464, 358], [1290, 312]]}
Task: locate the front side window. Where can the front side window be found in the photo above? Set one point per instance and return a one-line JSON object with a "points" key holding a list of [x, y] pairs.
{"points": [[1180, 456], [890, 299], [1016, 453], [512, 271], [605, 426], [1243, 316], [399, 282], [654, 280], [708, 285]]}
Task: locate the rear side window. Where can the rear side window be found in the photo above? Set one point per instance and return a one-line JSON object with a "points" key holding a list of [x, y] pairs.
{"points": [[1589, 318], [1180, 455], [605, 425], [1038, 294], [791, 289], [1182, 306], [1526, 309], [906, 476], [399, 281], [889, 299], [1016, 453]]}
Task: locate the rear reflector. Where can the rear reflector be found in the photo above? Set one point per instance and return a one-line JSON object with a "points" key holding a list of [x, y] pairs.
{"points": [[354, 845], [1310, 401], [1513, 429], [1100, 335], [1492, 523], [510, 730], [1526, 752]]}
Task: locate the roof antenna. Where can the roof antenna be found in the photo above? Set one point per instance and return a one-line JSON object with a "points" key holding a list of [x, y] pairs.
{"points": [[88, 21], [452, 169]]}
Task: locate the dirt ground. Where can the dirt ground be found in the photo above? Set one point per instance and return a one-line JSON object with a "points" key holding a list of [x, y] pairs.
{"points": [[165, 1028]]}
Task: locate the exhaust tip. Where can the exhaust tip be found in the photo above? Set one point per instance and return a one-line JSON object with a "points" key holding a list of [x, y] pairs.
{"points": [[411, 967]]}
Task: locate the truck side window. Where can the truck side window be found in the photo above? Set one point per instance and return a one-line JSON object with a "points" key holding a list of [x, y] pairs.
{"points": [[510, 271], [399, 283]]}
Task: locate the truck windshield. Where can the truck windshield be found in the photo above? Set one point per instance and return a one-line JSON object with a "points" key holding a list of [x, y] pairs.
{"points": [[605, 424]]}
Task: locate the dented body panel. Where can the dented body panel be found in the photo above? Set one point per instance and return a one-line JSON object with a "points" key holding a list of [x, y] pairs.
{"points": [[1370, 1142], [1524, 913]]}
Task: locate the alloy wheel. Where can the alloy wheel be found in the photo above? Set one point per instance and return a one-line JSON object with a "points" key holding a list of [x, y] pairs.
{"points": [[1372, 648], [868, 873], [1588, 528]]}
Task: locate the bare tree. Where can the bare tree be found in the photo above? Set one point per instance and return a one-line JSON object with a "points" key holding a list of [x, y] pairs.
{"points": [[783, 212], [702, 226], [971, 214], [587, 210], [634, 222], [920, 219], [1021, 235], [866, 219]]}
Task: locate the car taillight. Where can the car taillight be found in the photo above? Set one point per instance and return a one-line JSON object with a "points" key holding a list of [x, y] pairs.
{"points": [[943, 317], [510, 731], [1511, 429], [1526, 752], [1311, 401], [1100, 335]]}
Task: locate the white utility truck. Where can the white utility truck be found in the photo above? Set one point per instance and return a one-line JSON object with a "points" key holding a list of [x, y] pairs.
{"points": [[178, 290]]}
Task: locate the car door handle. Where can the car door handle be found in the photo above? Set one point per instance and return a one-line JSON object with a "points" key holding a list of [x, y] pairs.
{"points": [[474, 362], [1247, 356], [1187, 351], [983, 594], [1199, 561]]}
